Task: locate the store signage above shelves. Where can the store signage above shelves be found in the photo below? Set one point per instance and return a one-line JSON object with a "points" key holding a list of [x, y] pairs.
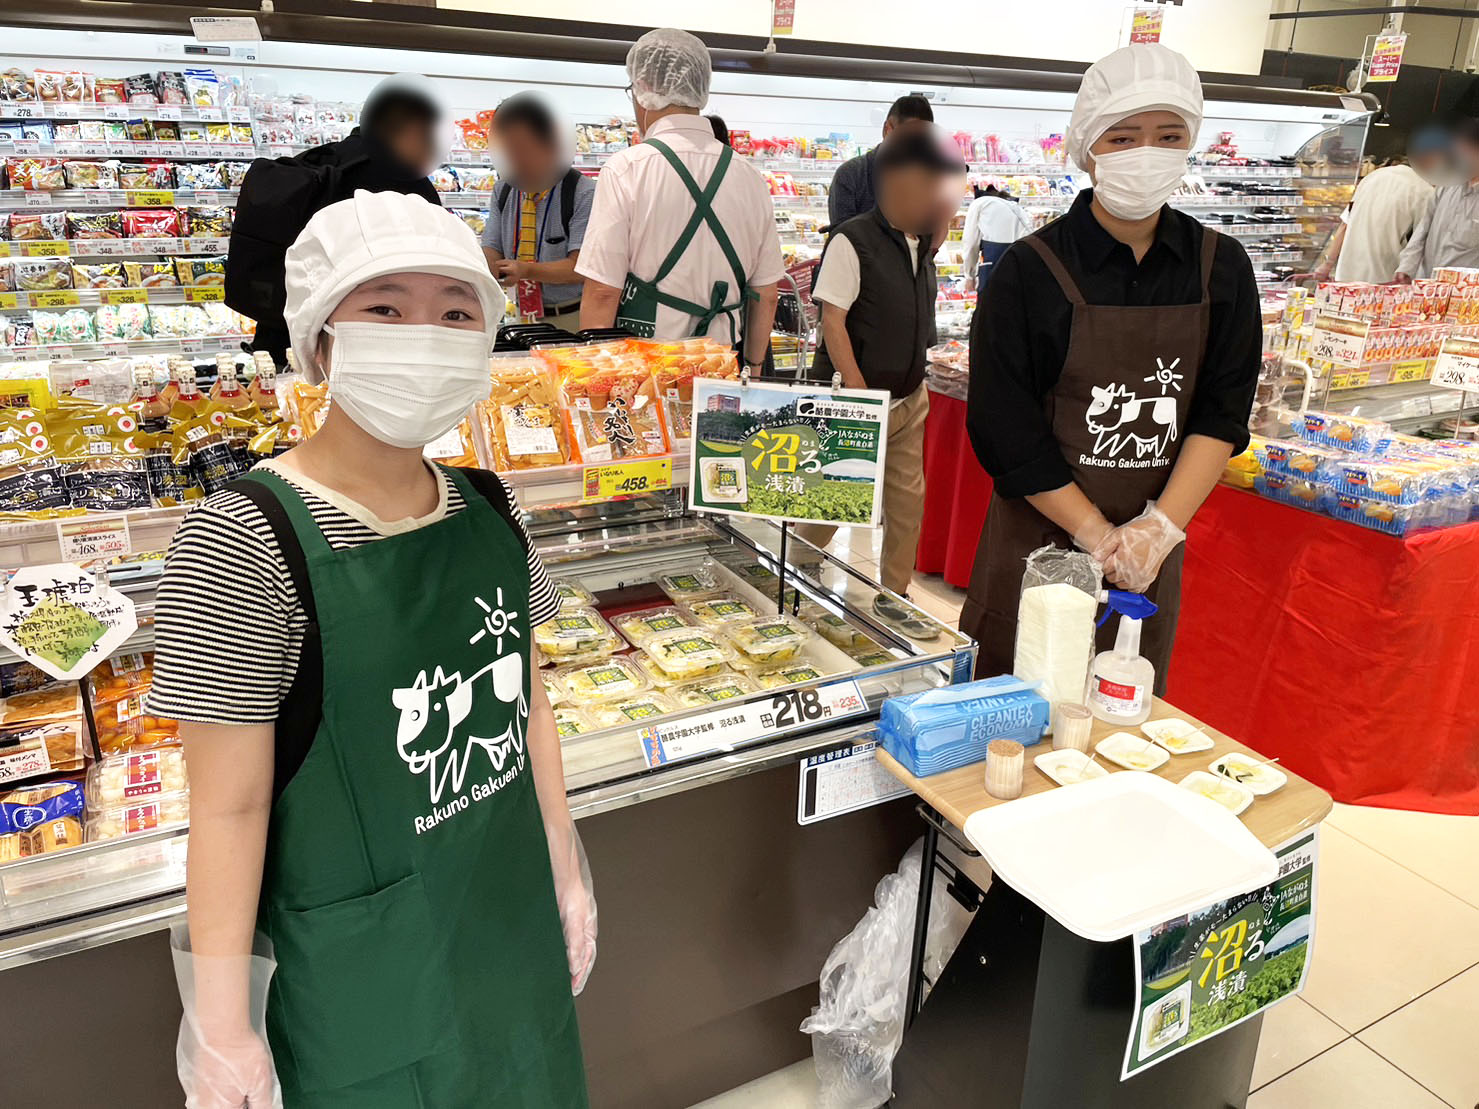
{"points": [[1386, 58]]}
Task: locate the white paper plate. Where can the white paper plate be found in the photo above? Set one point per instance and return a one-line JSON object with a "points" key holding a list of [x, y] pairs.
{"points": [[1069, 768], [1220, 791], [1120, 854], [1132, 752], [1177, 736], [1256, 775]]}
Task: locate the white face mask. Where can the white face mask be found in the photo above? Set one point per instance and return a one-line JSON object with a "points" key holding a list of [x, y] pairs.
{"points": [[407, 384], [1133, 184]]}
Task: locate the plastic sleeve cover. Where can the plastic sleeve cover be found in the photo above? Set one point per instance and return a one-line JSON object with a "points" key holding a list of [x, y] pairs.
{"points": [[576, 897]]}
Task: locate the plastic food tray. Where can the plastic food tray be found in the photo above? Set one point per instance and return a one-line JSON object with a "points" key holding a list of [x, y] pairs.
{"points": [[1121, 854]]}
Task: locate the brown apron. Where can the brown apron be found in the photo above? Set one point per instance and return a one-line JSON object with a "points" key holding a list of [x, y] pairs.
{"points": [[1117, 411]]}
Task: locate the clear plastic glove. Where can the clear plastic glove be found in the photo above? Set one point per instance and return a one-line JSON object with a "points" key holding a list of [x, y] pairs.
{"points": [[1143, 545], [222, 1054], [576, 897]]}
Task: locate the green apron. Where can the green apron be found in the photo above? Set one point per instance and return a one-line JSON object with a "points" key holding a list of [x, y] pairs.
{"points": [[407, 889], [640, 299]]}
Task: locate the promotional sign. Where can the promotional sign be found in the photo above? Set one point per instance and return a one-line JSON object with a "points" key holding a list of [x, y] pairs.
{"points": [[1386, 58], [63, 620], [782, 16], [1145, 25], [1198, 975], [1339, 340], [1458, 364], [802, 453], [605, 480]]}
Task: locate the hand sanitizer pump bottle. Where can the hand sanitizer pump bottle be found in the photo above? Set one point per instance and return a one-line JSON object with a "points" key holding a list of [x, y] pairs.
{"points": [[1122, 681]]}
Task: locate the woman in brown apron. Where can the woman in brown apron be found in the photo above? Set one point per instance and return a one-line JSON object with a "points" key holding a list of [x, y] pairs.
{"points": [[1114, 358]]}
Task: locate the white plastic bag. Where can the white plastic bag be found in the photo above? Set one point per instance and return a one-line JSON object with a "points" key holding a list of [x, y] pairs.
{"points": [[856, 1030], [222, 1054]]}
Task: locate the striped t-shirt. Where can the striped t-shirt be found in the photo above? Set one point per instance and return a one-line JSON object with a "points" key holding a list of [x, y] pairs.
{"points": [[228, 623]]}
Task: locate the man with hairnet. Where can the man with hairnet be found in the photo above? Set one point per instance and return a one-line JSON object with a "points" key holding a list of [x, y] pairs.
{"points": [[1114, 356], [682, 238], [393, 149]]}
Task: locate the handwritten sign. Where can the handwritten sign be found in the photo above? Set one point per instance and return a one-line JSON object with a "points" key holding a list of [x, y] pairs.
{"points": [[63, 620], [1458, 364]]}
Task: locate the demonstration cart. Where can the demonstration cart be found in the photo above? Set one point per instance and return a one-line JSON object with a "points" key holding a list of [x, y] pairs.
{"points": [[1029, 1015]]}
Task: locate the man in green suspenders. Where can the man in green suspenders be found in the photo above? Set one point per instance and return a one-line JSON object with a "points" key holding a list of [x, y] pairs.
{"points": [[682, 237]]}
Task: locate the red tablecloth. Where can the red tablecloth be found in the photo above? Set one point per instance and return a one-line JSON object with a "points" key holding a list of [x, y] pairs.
{"points": [[1351, 655], [956, 493]]}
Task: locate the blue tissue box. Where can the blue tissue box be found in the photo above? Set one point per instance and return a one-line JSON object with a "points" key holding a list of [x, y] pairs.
{"points": [[945, 728]]}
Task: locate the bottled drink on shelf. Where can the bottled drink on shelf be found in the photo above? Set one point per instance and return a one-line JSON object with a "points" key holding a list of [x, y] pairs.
{"points": [[263, 389], [151, 409], [227, 390]]}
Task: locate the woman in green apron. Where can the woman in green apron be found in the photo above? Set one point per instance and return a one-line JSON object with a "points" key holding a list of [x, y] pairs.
{"points": [[1113, 362], [377, 794]]}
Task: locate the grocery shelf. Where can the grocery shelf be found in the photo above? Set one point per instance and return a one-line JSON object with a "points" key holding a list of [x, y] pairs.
{"points": [[465, 199], [46, 109], [38, 542], [1243, 173], [113, 248], [1041, 169], [1200, 200], [557, 485], [53, 299], [1237, 230], [128, 148], [20, 200], [1269, 257], [123, 348]]}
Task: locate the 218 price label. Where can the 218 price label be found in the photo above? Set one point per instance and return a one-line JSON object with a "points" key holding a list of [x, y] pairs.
{"points": [[798, 706]]}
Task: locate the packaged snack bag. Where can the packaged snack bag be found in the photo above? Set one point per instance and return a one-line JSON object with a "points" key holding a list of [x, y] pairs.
{"points": [[150, 275], [95, 225], [521, 421], [35, 173], [153, 223], [146, 175], [38, 819], [610, 404], [38, 226], [91, 175], [100, 275]]}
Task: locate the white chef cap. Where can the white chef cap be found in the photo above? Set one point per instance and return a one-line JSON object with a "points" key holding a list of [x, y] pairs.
{"points": [[372, 235], [1145, 77], [669, 67]]}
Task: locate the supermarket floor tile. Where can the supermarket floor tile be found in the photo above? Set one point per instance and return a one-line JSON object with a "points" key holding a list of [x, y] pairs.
{"points": [[1433, 1039], [1349, 1075], [1293, 1033], [1362, 968], [937, 597], [794, 1087], [1440, 848]]}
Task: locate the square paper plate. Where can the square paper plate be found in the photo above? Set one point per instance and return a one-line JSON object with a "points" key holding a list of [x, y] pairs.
{"points": [[1067, 767], [1120, 854], [1177, 736], [1133, 752], [1258, 777]]}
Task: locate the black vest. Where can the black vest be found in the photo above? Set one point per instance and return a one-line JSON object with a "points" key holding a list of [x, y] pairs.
{"points": [[892, 323]]}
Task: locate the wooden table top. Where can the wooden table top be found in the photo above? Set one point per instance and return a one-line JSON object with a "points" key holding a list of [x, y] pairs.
{"points": [[956, 794]]}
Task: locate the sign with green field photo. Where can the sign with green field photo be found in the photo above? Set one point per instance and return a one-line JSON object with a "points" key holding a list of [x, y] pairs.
{"points": [[807, 454], [1198, 975]]}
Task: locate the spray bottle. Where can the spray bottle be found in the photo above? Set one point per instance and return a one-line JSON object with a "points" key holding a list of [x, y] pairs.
{"points": [[1121, 681]]}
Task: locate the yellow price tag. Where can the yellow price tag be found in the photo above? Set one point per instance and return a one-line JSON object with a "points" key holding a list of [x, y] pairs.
{"points": [[1359, 378], [4, 250], [55, 298], [150, 198], [624, 479], [1340, 381], [47, 248], [1410, 371], [197, 294], [7, 301], [125, 296]]}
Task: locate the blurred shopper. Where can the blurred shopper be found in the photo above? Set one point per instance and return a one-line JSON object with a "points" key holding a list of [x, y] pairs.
{"points": [[877, 289], [1114, 357], [721, 129], [393, 149], [993, 222], [682, 238], [376, 784], [539, 213], [1449, 234], [852, 192], [1389, 203]]}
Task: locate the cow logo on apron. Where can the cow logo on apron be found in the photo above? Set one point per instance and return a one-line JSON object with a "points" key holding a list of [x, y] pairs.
{"points": [[1132, 431], [446, 718]]}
